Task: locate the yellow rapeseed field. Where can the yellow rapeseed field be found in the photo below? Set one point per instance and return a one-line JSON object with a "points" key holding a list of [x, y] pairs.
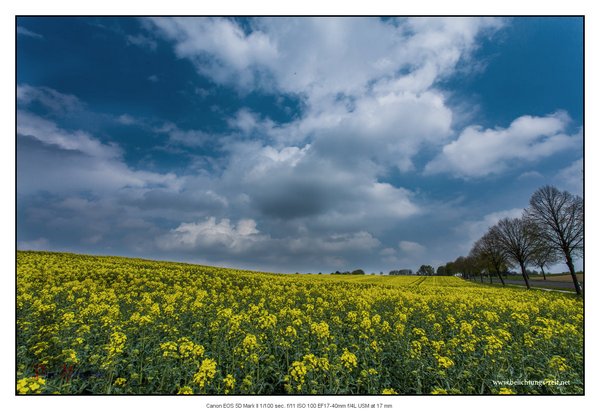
{"points": [[126, 326]]}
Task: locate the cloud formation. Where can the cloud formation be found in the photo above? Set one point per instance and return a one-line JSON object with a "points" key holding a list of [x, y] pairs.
{"points": [[570, 178], [472, 230], [26, 32], [142, 41], [57, 160], [368, 85], [57, 103], [209, 234], [324, 56], [479, 152], [411, 247], [323, 131]]}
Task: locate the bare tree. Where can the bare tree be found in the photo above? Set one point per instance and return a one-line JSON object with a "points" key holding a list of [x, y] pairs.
{"points": [[490, 250], [559, 218], [473, 265], [516, 240], [544, 255]]}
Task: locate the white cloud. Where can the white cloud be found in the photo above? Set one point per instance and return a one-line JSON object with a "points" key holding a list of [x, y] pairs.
{"points": [[473, 230], [570, 178], [367, 84], [56, 102], [530, 175], [188, 138], [411, 247], [25, 32], [56, 160], [222, 239], [361, 241], [324, 56], [389, 128], [126, 119], [218, 47], [212, 234], [142, 41], [48, 132], [479, 152], [248, 122]]}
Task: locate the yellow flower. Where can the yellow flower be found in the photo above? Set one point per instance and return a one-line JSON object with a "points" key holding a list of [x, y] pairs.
{"points": [[466, 329], [119, 382], [267, 321], [520, 318], [491, 317], [22, 386], [375, 346], [207, 372], [348, 360], [389, 391], [169, 349], [68, 317], [493, 345], [30, 385], [290, 332], [117, 343], [437, 345], [438, 391], [298, 371], [249, 342], [247, 383], [444, 362], [228, 383], [415, 349], [419, 332], [321, 330], [188, 349], [506, 391], [558, 363], [185, 391], [325, 334], [70, 356], [365, 324]]}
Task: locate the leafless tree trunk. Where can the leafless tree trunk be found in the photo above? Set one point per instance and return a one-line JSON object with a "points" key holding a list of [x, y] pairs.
{"points": [[488, 249], [514, 236], [543, 273], [558, 217]]}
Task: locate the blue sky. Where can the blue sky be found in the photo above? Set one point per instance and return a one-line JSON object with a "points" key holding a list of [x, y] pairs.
{"points": [[291, 144]]}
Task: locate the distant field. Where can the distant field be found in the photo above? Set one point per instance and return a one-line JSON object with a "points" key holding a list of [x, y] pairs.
{"points": [[98, 325], [565, 277]]}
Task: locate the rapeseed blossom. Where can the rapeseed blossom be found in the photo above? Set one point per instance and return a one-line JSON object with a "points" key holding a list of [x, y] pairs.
{"points": [[186, 390], [31, 385], [228, 383], [348, 359], [558, 363], [126, 326], [206, 373]]}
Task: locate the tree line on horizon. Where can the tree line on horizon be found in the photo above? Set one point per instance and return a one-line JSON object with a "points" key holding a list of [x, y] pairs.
{"points": [[549, 231]]}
